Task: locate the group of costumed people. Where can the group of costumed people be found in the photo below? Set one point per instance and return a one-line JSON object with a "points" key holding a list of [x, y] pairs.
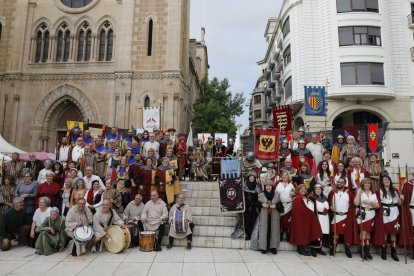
{"points": [[131, 182], [346, 198]]}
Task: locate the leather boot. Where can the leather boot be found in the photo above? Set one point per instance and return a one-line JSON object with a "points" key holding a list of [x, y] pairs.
{"points": [[287, 235], [384, 252], [394, 252], [362, 250], [313, 252], [367, 253], [281, 235], [331, 251], [348, 251], [302, 251]]}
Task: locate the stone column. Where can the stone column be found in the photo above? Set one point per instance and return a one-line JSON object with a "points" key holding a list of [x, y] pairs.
{"points": [[93, 47], [16, 103], [51, 48], [72, 48]]}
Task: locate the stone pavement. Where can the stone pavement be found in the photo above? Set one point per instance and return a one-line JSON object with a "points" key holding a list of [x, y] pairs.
{"points": [[199, 261]]}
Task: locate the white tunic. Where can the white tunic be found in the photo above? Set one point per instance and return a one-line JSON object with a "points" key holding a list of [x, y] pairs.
{"points": [[77, 153], [64, 153], [285, 197], [323, 219], [369, 212], [361, 177], [341, 203], [316, 150], [394, 212], [325, 182], [152, 213]]}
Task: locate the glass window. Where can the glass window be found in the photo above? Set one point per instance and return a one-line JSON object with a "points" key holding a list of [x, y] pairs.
{"points": [[257, 99], [109, 46], [38, 46], [1, 29], [81, 42], [67, 46], [45, 53], [287, 57], [362, 73], [343, 5], [346, 36], [88, 45], [359, 35], [377, 73], [257, 114], [102, 45], [288, 88], [75, 3], [150, 31], [357, 6], [59, 46], [348, 75], [147, 102], [286, 27]]}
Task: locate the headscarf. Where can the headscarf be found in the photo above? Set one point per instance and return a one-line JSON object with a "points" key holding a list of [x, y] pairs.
{"points": [[271, 194], [251, 185]]}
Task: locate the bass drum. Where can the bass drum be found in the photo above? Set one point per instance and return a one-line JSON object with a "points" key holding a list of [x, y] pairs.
{"points": [[119, 239]]}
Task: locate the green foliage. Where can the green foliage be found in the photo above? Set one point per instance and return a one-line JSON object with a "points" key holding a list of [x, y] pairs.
{"points": [[216, 108]]}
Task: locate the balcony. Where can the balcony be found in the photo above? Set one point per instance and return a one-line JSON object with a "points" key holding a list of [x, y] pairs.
{"points": [[260, 90], [276, 74], [271, 83], [267, 74], [267, 92], [410, 21], [412, 53], [276, 96], [276, 55], [279, 64], [271, 64]]}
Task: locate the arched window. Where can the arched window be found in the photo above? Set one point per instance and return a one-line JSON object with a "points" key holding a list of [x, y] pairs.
{"points": [[106, 42], [147, 102], [1, 29], [42, 44], [150, 31], [63, 43], [84, 43]]}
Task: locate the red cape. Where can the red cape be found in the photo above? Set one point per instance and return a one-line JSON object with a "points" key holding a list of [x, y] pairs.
{"points": [[407, 231], [378, 236], [351, 236], [304, 227]]}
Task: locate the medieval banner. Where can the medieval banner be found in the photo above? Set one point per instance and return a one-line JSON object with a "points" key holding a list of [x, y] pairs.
{"points": [[151, 118], [315, 101], [282, 117], [266, 143], [373, 137], [231, 187], [96, 130]]}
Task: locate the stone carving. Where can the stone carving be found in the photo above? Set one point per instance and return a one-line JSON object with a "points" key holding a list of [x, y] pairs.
{"points": [[57, 97]]}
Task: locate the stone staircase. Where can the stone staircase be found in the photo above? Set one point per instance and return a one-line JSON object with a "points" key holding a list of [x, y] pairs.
{"points": [[213, 228]]}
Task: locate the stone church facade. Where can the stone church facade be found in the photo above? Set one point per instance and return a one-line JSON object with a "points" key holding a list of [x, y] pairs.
{"points": [[101, 61]]}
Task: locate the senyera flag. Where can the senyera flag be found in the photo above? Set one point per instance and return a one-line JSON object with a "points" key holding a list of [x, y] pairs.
{"points": [[373, 137], [282, 117], [266, 143]]}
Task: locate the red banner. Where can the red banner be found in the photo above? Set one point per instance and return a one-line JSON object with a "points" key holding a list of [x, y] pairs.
{"points": [[373, 137], [282, 117], [266, 143]]}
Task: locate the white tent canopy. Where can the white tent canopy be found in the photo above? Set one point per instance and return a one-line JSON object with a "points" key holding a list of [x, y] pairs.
{"points": [[5, 147]]}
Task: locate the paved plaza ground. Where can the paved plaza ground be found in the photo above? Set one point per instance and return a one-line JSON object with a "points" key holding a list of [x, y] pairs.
{"points": [[199, 261]]}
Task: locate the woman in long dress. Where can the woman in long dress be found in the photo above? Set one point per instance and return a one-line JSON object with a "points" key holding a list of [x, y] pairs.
{"points": [[269, 219], [286, 189], [323, 178], [251, 192], [374, 170], [63, 199], [51, 234], [322, 207]]}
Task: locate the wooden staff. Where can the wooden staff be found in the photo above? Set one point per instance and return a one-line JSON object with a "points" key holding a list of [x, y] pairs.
{"points": [[334, 220], [360, 225]]}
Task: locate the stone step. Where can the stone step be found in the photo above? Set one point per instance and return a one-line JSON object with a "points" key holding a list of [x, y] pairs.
{"points": [[209, 211], [197, 202], [199, 186], [201, 194], [214, 221]]}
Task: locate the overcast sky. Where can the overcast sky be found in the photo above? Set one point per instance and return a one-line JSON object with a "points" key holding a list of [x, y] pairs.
{"points": [[235, 39]]}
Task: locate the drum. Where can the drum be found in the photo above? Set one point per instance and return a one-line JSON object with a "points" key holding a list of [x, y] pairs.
{"points": [[131, 228], [179, 221], [119, 239], [146, 241], [83, 234]]}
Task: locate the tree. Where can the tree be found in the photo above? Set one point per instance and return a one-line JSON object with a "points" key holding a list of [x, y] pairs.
{"points": [[216, 108]]}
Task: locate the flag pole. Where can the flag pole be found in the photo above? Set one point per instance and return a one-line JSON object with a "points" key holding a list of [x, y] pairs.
{"points": [[402, 206]]}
